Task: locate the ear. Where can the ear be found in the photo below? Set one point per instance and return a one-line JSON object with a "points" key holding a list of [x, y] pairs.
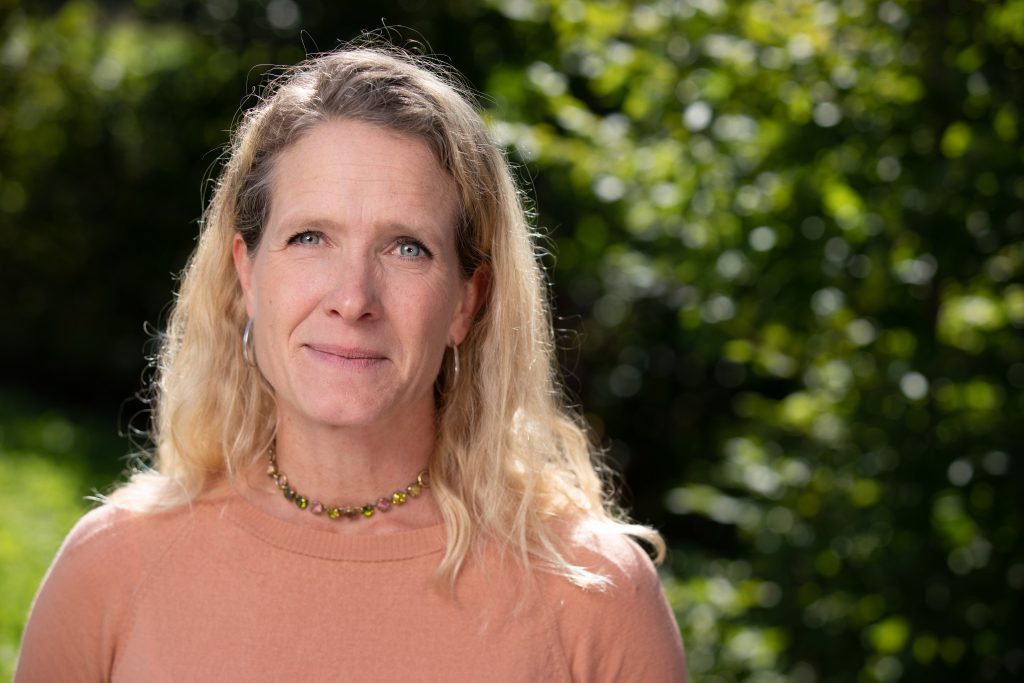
{"points": [[474, 292], [243, 267]]}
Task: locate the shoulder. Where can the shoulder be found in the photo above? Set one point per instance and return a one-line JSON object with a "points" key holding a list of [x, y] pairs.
{"points": [[84, 602], [100, 529], [110, 549], [109, 536], [605, 549], [104, 538], [623, 630]]}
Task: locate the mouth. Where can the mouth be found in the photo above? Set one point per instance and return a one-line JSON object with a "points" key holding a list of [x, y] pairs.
{"points": [[346, 355]]}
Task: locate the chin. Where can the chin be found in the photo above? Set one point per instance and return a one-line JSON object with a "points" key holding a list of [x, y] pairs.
{"points": [[348, 410], [347, 415]]}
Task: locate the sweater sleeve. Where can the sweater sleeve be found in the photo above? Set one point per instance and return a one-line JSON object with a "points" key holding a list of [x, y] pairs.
{"points": [[627, 631], [72, 627]]}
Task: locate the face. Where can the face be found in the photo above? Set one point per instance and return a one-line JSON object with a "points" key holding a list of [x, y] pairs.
{"points": [[355, 289]]}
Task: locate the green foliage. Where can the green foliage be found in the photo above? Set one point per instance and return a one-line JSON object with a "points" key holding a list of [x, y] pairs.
{"points": [[37, 503], [43, 482], [788, 235], [798, 226]]}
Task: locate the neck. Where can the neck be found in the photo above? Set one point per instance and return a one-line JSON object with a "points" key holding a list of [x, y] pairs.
{"points": [[346, 466]]}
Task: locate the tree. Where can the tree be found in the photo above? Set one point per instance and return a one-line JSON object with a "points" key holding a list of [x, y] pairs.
{"points": [[798, 263]]}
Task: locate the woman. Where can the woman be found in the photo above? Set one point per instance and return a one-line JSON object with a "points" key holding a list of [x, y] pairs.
{"points": [[362, 467]]}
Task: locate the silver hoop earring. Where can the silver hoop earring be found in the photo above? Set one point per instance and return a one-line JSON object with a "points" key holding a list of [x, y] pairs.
{"points": [[455, 359], [248, 345]]}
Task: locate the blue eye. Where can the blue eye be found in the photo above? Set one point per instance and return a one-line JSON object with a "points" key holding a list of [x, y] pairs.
{"points": [[307, 238], [412, 249]]}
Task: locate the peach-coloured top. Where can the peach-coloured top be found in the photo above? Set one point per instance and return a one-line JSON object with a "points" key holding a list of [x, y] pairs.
{"points": [[221, 591]]}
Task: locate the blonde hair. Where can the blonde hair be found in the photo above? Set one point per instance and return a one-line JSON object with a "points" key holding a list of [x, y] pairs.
{"points": [[510, 456]]}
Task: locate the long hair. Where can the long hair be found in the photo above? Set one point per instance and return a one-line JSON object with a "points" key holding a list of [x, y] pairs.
{"points": [[510, 455]]}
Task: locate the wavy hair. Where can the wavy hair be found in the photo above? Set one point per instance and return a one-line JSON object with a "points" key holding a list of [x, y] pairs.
{"points": [[511, 455]]}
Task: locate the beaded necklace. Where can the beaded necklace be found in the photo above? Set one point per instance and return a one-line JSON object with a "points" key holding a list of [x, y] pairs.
{"points": [[383, 503]]}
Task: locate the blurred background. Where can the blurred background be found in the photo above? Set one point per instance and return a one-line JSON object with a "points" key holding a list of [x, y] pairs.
{"points": [[786, 250]]}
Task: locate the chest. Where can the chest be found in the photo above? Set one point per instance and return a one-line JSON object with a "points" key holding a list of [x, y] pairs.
{"points": [[250, 619]]}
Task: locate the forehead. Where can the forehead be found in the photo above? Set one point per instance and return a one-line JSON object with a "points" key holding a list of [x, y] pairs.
{"points": [[358, 173]]}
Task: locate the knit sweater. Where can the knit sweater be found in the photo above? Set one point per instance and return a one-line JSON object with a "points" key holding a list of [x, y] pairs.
{"points": [[221, 591]]}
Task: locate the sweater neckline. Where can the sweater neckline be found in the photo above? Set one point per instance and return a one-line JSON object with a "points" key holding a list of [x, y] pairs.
{"points": [[295, 538]]}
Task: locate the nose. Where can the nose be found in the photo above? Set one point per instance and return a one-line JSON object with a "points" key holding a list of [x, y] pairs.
{"points": [[353, 296]]}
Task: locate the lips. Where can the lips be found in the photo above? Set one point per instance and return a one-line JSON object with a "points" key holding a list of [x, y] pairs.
{"points": [[346, 355]]}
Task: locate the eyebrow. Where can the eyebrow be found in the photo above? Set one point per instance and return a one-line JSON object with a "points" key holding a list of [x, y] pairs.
{"points": [[328, 224]]}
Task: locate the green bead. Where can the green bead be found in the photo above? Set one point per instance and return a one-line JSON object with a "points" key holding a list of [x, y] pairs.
{"points": [[367, 511], [301, 502], [333, 513], [398, 497]]}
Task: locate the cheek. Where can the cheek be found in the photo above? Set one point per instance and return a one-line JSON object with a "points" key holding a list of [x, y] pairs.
{"points": [[430, 306], [446, 299], [277, 290]]}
